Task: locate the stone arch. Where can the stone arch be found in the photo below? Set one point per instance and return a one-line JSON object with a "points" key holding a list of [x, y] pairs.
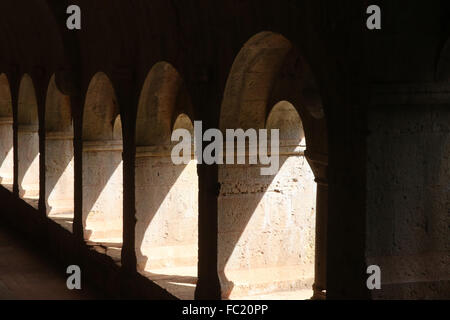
{"points": [[248, 261], [285, 117], [102, 174], [166, 230], [6, 134], [59, 157], [100, 109], [28, 141], [251, 79], [58, 112], [183, 121], [158, 104]]}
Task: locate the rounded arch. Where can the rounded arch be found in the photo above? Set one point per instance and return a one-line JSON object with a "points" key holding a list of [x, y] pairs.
{"points": [[250, 81], [270, 86], [100, 109], [27, 113], [285, 117], [163, 96], [269, 69], [5, 97], [183, 121], [166, 193], [102, 164], [58, 114]]}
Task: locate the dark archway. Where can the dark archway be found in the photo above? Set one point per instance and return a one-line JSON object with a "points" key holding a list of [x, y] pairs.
{"points": [[166, 193], [102, 182], [59, 161], [266, 223]]}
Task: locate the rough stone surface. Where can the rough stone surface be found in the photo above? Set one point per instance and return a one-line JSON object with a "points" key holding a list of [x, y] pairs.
{"points": [[102, 195], [266, 228], [409, 196], [59, 169], [167, 213], [6, 151], [28, 163]]}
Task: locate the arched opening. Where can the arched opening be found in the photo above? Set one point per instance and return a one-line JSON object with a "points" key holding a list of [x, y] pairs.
{"points": [[59, 162], [28, 142], [166, 193], [102, 182], [266, 223], [6, 134]]}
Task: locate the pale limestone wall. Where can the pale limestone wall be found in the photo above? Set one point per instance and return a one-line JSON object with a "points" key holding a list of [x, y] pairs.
{"points": [[408, 204], [166, 212], [266, 228], [28, 148], [6, 151], [59, 170], [102, 192]]}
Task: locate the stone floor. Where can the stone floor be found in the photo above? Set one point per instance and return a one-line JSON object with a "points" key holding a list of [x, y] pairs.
{"points": [[27, 275], [181, 282], [271, 283], [302, 294], [64, 219]]}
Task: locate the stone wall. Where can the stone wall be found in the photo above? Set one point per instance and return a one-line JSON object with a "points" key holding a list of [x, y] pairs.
{"points": [[408, 199], [59, 170], [166, 211], [102, 191], [266, 228], [6, 150], [28, 162]]}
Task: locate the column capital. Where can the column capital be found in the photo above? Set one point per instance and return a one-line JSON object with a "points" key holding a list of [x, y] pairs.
{"points": [[319, 165]]}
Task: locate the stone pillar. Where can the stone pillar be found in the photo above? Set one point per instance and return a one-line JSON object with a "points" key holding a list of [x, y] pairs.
{"points": [[77, 104], [319, 165], [6, 151], [208, 285]]}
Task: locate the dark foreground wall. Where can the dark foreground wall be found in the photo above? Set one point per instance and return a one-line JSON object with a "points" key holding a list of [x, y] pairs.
{"points": [[99, 271]]}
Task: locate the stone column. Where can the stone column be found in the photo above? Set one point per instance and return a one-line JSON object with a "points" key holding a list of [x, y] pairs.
{"points": [[319, 165], [208, 285]]}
